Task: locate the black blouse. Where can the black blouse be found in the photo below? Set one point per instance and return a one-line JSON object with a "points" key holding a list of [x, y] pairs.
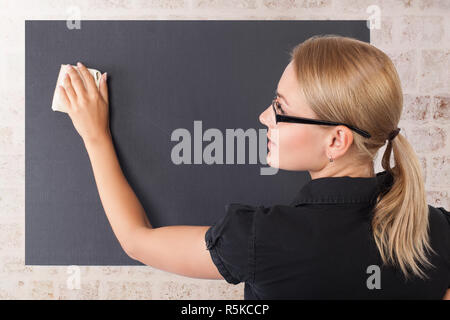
{"points": [[320, 246]]}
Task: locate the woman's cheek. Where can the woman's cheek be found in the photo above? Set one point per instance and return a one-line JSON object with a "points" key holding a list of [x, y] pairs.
{"points": [[295, 149]]}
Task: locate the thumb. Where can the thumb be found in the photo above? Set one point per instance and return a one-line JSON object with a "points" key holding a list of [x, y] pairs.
{"points": [[104, 87]]}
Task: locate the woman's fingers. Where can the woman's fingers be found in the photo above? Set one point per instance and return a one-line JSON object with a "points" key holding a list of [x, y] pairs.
{"points": [[75, 79], [104, 87], [64, 98], [69, 89], [87, 77]]}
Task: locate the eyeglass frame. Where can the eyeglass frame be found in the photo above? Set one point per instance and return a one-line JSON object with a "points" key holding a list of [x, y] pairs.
{"points": [[292, 119]]}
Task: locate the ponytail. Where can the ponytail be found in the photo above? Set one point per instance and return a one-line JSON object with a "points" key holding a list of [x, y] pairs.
{"points": [[400, 217]]}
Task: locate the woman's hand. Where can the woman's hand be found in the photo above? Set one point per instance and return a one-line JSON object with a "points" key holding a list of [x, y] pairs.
{"points": [[87, 105]]}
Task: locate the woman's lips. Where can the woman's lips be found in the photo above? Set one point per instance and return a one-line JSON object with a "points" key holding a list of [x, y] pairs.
{"points": [[270, 142]]}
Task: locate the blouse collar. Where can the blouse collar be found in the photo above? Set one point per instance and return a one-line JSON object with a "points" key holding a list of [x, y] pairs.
{"points": [[330, 190]]}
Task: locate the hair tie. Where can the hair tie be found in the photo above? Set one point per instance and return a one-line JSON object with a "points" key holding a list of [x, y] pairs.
{"points": [[393, 134]]}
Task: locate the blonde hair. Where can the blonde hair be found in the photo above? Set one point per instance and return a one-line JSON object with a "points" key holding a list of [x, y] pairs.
{"points": [[350, 81]]}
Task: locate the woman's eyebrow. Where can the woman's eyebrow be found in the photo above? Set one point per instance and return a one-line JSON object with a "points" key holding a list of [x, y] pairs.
{"points": [[280, 95]]}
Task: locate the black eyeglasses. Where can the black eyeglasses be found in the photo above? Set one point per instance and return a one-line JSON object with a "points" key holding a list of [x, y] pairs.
{"points": [[283, 118]]}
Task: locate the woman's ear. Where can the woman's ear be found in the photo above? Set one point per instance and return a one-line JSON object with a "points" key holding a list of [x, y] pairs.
{"points": [[340, 140]]}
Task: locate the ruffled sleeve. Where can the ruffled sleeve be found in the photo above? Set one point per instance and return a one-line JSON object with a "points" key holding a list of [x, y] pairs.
{"points": [[231, 243]]}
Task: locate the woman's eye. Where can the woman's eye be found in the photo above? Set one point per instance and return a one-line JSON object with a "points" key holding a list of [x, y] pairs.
{"points": [[279, 107]]}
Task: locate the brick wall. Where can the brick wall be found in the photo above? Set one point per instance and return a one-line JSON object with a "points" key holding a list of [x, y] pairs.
{"points": [[414, 33]]}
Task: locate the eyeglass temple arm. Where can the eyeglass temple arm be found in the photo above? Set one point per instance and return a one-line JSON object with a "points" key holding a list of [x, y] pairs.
{"points": [[324, 122]]}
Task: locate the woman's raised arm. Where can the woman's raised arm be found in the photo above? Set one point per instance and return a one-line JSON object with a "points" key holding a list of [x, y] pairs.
{"points": [[177, 249]]}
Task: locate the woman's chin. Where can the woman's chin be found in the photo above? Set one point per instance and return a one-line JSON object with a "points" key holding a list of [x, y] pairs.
{"points": [[270, 160]]}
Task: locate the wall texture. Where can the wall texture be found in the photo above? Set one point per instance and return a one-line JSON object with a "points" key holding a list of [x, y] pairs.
{"points": [[414, 33]]}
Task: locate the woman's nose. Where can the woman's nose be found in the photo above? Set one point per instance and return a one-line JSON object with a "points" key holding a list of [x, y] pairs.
{"points": [[266, 117]]}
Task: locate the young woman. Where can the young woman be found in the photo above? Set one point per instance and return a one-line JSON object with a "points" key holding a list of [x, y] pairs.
{"points": [[349, 233]]}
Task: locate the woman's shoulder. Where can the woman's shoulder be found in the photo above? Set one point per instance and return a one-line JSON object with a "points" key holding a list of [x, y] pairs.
{"points": [[439, 221], [439, 214], [264, 219], [245, 216], [264, 211], [253, 208], [439, 231]]}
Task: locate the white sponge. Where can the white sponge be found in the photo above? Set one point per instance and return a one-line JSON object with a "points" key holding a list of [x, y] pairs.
{"points": [[57, 105]]}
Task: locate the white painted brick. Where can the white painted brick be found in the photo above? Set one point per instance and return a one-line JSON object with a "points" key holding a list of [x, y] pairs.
{"points": [[435, 71]]}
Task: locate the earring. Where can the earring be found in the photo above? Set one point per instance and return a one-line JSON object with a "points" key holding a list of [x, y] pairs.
{"points": [[331, 159]]}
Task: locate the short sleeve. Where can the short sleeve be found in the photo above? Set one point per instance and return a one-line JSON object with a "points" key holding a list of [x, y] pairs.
{"points": [[231, 243]]}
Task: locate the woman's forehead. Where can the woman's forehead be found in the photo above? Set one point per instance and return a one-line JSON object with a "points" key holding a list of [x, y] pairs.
{"points": [[289, 88], [288, 85]]}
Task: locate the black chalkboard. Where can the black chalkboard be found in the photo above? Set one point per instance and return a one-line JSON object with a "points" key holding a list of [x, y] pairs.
{"points": [[162, 75]]}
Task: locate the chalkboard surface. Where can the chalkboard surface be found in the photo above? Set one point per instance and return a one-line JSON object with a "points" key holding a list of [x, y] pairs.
{"points": [[162, 76]]}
